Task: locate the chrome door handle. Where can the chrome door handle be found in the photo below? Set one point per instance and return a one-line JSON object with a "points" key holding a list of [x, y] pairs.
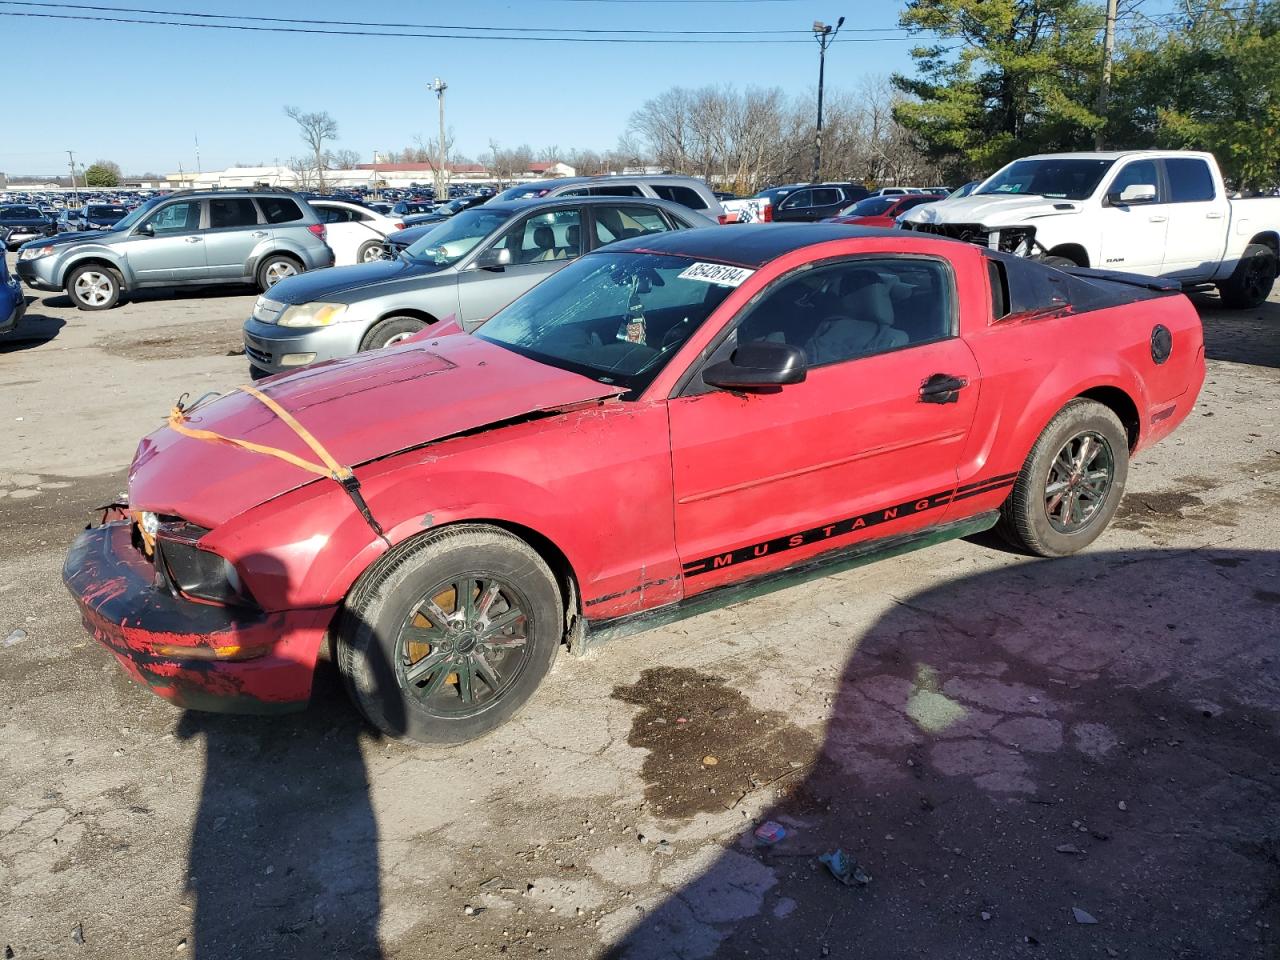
{"points": [[258, 234], [1214, 216], [1158, 219], [193, 239]]}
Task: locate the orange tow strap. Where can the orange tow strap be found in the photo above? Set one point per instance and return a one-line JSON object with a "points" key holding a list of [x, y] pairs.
{"points": [[328, 467]]}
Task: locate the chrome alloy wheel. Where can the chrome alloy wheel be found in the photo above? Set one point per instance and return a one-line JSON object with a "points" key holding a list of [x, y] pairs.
{"points": [[463, 646], [1079, 481]]}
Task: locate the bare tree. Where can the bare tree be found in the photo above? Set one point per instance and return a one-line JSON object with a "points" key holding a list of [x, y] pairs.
{"points": [[760, 136], [509, 164], [303, 173], [345, 159], [316, 130]]}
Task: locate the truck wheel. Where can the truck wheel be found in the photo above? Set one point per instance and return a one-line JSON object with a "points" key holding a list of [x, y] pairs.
{"points": [[448, 635], [1250, 283], [1072, 482], [93, 287], [276, 268], [1059, 262], [391, 330]]}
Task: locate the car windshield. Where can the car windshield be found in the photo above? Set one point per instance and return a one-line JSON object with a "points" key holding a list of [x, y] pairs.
{"points": [[450, 241], [1058, 179], [19, 213], [137, 213], [523, 191], [107, 212], [870, 207], [617, 317]]}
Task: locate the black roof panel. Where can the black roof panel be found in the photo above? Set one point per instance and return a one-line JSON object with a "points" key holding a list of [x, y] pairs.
{"points": [[747, 245]]}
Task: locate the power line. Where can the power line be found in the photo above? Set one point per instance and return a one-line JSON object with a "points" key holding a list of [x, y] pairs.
{"points": [[420, 26], [86, 18]]}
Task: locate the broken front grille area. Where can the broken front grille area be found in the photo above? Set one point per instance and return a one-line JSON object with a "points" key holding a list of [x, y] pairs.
{"points": [[1016, 240]]}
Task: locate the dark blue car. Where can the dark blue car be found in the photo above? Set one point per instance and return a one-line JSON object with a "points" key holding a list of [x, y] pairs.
{"points": [[12, 302]]}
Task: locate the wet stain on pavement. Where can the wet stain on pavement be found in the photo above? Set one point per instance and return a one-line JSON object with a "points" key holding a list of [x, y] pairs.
{"points": [[180, 341], [1141, 510], [707, 745], [1266, 596]]}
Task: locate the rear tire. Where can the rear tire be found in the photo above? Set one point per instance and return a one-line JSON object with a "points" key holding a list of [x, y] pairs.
{"points": [[275, 268], [1071, 484], [449, 634], [1250, 284], [390, 331], [93, 287], [369, 252]]}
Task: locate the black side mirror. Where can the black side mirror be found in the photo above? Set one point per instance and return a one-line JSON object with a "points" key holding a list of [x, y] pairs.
{"points": [[760, 363], [146, 230]]}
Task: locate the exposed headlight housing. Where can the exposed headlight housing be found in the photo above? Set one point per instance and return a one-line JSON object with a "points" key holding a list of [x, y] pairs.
{"points": [[312, 315], [35, 253], [192, 572]]}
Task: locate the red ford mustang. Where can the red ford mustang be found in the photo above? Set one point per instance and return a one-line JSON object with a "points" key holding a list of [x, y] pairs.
{"points": [[882, 211], [659, 427]]}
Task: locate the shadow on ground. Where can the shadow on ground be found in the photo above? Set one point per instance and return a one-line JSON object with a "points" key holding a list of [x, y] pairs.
{"points": [[33, 330], [1240, 336], [284, 851], [1100, 732], [156, 294]]}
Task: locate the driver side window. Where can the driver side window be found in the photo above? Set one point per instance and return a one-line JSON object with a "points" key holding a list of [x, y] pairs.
{"points": [[181, 217], [798, 200], [856, 308], [545, 236], [1137, 172]]}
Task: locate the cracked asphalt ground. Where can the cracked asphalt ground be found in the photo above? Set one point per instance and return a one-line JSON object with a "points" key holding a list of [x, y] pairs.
{"points": [[997, 741]]}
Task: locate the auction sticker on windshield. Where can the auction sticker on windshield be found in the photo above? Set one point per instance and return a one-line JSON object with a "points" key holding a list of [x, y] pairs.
{"points": [[718, 273]]}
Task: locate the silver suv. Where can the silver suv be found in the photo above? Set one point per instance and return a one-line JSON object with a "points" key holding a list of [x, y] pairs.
{"points": [[189, 238], [686, 191]]}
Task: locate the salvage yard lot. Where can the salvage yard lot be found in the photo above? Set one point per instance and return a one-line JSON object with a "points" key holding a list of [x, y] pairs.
{"points": [[997, 740]]}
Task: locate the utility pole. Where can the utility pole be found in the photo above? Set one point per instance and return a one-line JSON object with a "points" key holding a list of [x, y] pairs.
{"points": [[824, 33], [75, 191], [199, 172], [442, 184], [1104, 90]]}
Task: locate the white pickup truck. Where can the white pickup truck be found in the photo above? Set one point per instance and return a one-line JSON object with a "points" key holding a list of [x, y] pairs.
{"points": [[1157, 213]]}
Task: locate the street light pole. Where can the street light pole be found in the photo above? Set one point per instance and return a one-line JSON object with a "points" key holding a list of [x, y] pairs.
{"points": [[1104, 88], [442, 189], [824, 33], [75, 191]]}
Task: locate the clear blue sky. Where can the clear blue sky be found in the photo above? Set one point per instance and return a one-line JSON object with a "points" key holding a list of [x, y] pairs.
{"points": [[139, 95]]}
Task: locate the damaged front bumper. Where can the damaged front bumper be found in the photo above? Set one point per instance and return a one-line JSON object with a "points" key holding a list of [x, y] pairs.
{"points": [[197, 655]]}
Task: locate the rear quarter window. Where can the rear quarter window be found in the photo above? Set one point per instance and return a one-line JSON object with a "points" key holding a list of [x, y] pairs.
{"points": [[685, 196], [279, 209]]}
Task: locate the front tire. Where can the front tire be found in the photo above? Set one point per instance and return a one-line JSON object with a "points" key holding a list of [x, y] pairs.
{"points": [[390, 331], [1250, 283], [93, 287], [1071, 484], [448, 635]]}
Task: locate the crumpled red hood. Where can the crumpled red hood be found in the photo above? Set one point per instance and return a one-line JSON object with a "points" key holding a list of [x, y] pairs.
{"points": [[360, 408]]}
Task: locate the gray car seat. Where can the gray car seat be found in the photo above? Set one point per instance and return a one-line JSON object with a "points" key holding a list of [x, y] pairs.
{"points": [[862, 325]]}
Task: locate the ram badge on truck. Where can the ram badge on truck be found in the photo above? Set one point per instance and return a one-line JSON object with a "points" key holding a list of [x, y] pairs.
{"points": [[1156, 213], [660, 426]]}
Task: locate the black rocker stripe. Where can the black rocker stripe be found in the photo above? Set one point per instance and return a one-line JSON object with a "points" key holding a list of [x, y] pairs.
{"points": [[840, 528]]}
